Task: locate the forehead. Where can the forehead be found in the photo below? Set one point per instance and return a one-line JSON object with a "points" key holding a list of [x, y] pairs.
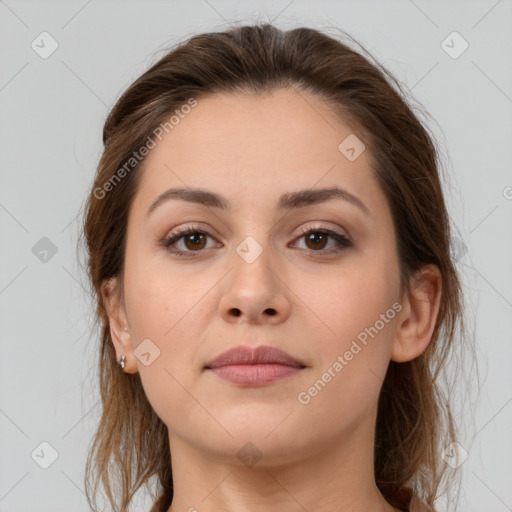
{"points": [[255, 146]]}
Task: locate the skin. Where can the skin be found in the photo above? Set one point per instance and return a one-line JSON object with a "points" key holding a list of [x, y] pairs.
{"points": [[315, 456]]}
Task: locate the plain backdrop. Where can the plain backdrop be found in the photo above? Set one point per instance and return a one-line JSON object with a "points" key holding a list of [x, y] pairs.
{"points": [[52, 111]]}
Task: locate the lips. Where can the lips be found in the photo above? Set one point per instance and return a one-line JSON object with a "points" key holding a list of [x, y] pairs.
{"points": [[248, 367], [244, 355]]}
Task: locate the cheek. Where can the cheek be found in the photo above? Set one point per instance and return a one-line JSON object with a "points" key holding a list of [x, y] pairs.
{"points": [[162, 308], [352, 301], [353, 353], [159, 294], [355, 334]]}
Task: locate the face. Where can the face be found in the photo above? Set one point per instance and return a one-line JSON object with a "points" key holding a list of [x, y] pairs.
{"points": [[318, 279]]}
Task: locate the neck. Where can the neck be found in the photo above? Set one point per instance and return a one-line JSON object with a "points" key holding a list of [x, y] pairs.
{"points": [[330, 478]]}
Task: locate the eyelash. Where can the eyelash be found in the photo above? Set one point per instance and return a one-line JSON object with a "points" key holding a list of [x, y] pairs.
{"points": [[343, 242]]}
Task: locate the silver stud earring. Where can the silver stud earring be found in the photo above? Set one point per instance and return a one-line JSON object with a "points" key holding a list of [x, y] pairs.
{"points": [[122, 362]]}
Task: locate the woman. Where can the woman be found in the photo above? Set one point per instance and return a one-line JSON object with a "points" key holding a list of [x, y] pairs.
{"points": [[269, 247]]}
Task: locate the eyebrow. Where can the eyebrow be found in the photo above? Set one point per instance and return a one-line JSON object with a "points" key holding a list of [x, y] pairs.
{"points": [[287, 201]]}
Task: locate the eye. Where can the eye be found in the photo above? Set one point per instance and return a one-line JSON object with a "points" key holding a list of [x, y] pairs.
{"points": [[316, 239], [194, 240]]}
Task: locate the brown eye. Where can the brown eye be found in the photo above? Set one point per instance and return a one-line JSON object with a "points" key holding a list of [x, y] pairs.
{"points": [[316, 240], [197, 241], [192, 240]]}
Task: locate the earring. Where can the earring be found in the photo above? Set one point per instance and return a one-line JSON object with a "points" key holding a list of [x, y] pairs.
{"points": [[122, 362], [125, 328]]}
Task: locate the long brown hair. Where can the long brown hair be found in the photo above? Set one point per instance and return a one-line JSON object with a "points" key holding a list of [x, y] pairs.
{"points": [[414, 423]]}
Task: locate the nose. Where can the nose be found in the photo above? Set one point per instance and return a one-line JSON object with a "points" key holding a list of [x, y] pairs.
{"points": [[255, 293]]}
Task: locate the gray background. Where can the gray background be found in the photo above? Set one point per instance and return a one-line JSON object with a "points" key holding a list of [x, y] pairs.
{"points": [[52, 112]]}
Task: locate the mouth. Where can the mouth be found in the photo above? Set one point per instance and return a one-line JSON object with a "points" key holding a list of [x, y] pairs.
{"points": [[246, 366]]}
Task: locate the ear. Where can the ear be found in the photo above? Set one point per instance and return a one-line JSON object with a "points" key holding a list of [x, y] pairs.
{"points": [[119, 331], [418, 317]]}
